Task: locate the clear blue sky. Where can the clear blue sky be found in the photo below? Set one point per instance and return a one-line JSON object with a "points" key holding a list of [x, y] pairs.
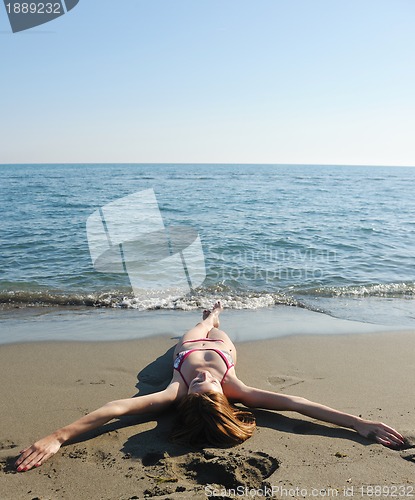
{"points": [[233, 81]]}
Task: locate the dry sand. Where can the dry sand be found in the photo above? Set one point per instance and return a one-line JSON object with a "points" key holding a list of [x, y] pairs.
{"points": [[46, 385]]}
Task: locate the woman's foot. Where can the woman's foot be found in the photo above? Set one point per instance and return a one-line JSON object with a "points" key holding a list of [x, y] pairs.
{"points": [[205, 314], [213, 314]]}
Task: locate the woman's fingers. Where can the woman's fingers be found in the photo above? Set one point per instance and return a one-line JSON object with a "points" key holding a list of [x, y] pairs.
{"points": [[381, 433], [37, 454], [392, 431], [385, 442], [32, 460], [387, 436], [25, 460], [393, 436]]}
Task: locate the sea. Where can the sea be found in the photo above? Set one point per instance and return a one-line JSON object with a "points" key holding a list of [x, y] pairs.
{"points": [[338, 240]]}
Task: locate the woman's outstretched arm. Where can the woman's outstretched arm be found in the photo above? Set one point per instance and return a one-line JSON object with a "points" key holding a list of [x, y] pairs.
{"points": [[377, 431], [39, 452]]}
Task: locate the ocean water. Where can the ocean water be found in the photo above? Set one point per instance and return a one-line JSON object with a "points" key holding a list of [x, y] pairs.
{"points": [[334, 239]]}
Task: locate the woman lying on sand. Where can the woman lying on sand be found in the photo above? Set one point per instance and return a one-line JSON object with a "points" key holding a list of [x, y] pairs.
{"points": [[203, 382]]}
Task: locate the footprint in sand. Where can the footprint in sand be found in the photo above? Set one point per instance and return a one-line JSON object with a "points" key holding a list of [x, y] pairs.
{"points": [[226, 469], [284, 382]]}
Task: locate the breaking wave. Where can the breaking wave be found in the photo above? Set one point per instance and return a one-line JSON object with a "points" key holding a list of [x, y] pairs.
{"points": [[201, 298], [198, 299]]}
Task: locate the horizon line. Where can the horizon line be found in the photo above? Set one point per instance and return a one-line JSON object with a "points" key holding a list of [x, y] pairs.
{"points": [[215, 163]]}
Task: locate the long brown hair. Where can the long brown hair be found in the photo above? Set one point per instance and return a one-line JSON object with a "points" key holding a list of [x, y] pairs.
{"points": [[209, 418]]}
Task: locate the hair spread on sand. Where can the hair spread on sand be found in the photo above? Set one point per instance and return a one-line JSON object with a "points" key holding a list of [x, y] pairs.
{"points": [[209, 418]]}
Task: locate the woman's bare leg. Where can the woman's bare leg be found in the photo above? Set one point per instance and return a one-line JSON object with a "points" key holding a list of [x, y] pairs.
{"points": [[202, 329], [209, 328]]}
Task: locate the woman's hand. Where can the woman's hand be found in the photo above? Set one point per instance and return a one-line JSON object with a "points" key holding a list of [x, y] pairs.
{"points": [[38, 453], [382, 433]]}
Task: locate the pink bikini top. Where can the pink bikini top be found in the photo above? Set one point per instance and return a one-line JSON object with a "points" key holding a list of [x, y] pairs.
{"points": [[181, 356]]}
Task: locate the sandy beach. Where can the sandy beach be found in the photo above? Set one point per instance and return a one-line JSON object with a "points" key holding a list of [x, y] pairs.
{"points": [[46, 385]]}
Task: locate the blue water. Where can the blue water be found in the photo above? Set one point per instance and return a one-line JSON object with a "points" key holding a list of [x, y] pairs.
{"points": [[340, 240]]}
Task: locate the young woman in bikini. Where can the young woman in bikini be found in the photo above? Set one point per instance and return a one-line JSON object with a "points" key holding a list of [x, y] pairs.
{"points": [[204, 381]]}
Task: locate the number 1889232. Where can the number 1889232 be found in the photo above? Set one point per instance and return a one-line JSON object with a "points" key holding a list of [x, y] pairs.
{"points": [[393, 491], [34, 8]]}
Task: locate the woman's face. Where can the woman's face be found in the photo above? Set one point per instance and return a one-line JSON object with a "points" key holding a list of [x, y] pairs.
{"points": [[204, 382]]}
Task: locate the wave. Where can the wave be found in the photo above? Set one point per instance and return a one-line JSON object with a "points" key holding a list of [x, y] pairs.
{"points": [[46, 298], [201, 298], [404, 290], [198, 299]]}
